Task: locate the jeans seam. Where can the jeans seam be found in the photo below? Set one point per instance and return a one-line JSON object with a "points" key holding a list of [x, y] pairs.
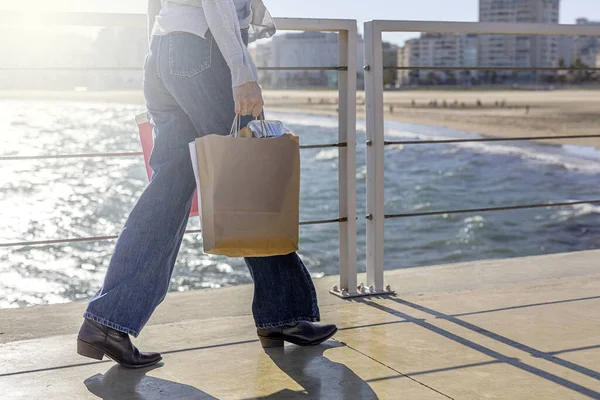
{"points": [[110, 324], [158, 51], [309, 282]]}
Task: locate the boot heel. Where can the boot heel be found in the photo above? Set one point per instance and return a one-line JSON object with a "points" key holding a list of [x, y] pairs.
{"points": [[269, 343], [87, 350]]}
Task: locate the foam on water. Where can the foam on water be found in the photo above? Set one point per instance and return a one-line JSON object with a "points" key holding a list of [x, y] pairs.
{"points": [[576, 158], [576, 211], [584, 159]]}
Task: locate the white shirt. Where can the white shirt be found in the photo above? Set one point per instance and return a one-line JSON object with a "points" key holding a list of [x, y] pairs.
{"points": [[225, 19]]}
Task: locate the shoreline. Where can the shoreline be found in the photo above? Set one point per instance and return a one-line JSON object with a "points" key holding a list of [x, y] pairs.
{"points": [[505, 114], [524, 114]]}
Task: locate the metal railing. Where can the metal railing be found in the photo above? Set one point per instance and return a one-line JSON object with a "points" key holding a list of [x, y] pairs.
{"points": [[347, 31], [376, 142], [375, 212]]}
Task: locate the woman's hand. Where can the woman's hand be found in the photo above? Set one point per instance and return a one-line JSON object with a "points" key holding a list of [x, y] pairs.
{"points": [[248, 99]]}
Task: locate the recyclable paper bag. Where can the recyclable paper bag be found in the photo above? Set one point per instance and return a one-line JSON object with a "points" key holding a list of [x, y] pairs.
{"points": [[250, 191]]}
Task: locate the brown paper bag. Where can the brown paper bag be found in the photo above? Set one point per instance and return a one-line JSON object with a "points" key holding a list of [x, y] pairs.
{"points": [[250, 194]]}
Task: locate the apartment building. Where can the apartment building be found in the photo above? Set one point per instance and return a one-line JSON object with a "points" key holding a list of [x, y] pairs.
{"points": [[584, 48], [524, 51], [310, 49], [438, 50]]}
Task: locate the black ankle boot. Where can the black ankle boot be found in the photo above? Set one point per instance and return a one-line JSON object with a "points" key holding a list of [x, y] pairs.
{"points": [[96, 341], [303, 333]]}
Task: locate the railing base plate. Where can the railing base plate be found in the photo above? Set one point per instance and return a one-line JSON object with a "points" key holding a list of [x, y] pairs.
{"points": [[361, 292]]}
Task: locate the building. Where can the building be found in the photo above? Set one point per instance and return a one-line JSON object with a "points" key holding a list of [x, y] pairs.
{"points": [[579, 51], [523, 51], [390, 59], [582, 49], [306, 49], [438, 50]]}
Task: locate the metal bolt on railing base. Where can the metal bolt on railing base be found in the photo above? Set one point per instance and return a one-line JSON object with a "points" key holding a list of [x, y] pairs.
{"points": [[361, 291]]}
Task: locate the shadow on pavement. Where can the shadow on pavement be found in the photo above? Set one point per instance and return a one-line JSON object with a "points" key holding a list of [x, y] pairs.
{"points": [[120, 383]]}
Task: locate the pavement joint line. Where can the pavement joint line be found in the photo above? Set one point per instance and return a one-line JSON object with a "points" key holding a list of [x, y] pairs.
{"points": [[32, 371], [393, 369]]}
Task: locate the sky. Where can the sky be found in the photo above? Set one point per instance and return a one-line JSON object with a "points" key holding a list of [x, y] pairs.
{"points": [[431, 10]]}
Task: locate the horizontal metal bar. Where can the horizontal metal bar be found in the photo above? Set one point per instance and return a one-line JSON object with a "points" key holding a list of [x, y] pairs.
{"points": [[324, 221], [65, 68], [487, 28], [58, 241], [338, 68], [492, 68], [323, 146], [131, 154], [515, 139], [52, 68], [61, 156], [102, 238], [18, 18], [490, 209], [315, 24]]}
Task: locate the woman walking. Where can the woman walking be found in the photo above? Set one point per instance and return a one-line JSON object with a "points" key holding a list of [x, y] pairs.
{"points": [[197, 76]]}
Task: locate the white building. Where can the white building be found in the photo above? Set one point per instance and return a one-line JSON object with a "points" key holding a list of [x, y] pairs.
{"points": [[438, 50], [306, 49], [584, 48], [524, 51]]}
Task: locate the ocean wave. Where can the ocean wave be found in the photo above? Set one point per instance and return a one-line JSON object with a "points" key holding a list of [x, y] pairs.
{"points": [[361, 172], [325, 155], [553, 156], [575, 211], [588, 152], [321, 121], [305, 119], [584, 159], [477, 219]]}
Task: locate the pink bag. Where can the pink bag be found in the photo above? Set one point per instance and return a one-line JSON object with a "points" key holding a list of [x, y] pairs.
{"points": [[145, 129]]}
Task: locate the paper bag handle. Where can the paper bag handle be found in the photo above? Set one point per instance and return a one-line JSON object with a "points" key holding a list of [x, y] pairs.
{"points": [[236, 125]]}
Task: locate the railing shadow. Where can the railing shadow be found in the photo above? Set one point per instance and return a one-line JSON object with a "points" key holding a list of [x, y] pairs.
{"points": [[320, 377], [503, 339], [515, 362], [120, 383]]}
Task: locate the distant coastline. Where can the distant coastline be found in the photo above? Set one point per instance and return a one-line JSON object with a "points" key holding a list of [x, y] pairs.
{"points": [[498, 113]]}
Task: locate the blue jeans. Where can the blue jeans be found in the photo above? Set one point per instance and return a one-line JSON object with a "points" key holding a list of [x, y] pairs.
{"points": [[187, 86]]}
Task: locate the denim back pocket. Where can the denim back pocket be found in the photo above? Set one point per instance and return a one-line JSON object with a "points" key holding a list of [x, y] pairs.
{"points": [[189, 54]]}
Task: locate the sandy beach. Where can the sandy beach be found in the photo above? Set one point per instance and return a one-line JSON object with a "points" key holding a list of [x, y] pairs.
{"points": [[490, 113], [500, 113]]}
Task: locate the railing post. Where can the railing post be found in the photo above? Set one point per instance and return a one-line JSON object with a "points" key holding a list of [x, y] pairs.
{"points": [[347, 161], [375, 157]]}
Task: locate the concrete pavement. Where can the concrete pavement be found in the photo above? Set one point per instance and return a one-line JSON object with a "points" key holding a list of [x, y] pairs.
{"points": [[505, 329]]}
